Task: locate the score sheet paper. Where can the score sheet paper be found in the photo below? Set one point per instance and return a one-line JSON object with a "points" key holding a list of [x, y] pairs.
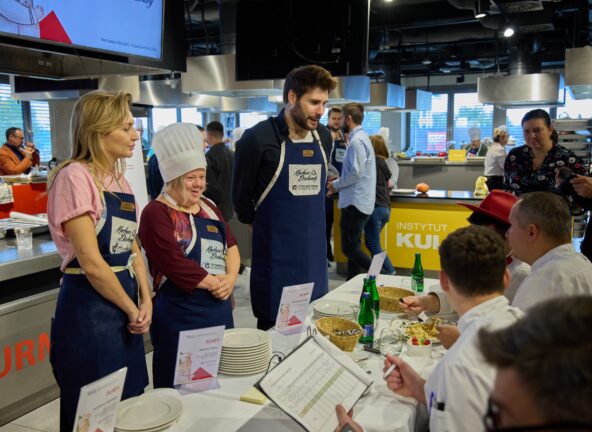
{"points": [[312, 380]]}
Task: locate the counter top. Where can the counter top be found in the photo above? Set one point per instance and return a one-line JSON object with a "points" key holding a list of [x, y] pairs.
{"points": [[478, 162], [16, 263], [436, 195]]}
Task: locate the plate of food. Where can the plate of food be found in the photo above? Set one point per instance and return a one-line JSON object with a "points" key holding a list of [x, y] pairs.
{"points": [[410, 329]]}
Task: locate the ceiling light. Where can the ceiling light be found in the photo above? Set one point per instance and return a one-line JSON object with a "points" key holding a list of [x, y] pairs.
{"points": [[426, 61], [481, 8], [388, 1], [509, 32]]}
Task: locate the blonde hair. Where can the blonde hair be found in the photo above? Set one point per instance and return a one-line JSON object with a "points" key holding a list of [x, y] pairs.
{"points": [[95, 115], [178, 186], [379, 146]]}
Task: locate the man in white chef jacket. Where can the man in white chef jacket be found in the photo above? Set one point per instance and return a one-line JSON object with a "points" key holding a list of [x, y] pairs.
{"points": [[540, 235], [457, 390]]}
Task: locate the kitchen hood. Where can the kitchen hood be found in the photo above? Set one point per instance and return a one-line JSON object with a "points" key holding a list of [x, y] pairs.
{"points": [[385, 96], [355, 88], [417, 100], [578, 72], [214, 75], [522, 90], [167, 93], [24, 88]]}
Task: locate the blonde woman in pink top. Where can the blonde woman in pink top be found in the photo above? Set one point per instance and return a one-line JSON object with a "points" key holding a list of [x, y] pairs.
{"points": [[99, 322]]}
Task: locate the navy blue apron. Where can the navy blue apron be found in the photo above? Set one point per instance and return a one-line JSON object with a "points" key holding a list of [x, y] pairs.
{"points": [[289, 245], [337, 154], [175, 310], [89, 335]]}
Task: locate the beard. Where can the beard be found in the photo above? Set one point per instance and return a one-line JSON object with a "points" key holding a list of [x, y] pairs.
{"points": [[300, 118]]}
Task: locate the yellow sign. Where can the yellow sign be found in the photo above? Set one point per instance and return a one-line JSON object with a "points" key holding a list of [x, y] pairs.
{"points": [[457, 155], [421, 228]]}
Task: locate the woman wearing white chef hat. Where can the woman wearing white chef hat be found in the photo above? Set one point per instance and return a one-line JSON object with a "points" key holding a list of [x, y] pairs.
{"points": [[495, 158]]}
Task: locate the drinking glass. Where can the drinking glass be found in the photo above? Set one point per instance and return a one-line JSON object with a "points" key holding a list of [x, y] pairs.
{"points": [[24, 238], [390, 342]]}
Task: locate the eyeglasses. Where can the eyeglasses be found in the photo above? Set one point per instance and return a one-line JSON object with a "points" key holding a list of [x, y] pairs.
{"points": [[492, 417]]}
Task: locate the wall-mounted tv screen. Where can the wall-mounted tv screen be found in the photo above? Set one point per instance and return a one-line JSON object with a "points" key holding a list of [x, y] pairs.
{"points": [[129, 27]]}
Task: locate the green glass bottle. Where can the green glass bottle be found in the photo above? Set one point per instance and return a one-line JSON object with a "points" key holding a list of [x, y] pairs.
{"points": [[417, 274], [374, 295], [366, 319]]}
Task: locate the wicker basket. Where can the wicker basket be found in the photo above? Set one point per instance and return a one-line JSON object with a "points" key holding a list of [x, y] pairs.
{"points": [[389, 298], [329, 325]]}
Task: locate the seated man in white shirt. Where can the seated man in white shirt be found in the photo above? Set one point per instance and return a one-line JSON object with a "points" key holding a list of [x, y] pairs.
{"points": [[544, 382], [457, 390], [493, 212], [540, 235]]}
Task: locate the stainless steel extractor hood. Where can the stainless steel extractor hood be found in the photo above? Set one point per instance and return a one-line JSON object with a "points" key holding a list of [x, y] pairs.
{"points": [[215, 75], [354, 88], [522, 90], [385, 96], [417, 100], [578, 72]]}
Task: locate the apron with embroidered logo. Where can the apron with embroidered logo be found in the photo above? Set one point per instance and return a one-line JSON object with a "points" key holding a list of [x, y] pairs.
{"points": [[89, 335], [289, 244], [175, 310]]}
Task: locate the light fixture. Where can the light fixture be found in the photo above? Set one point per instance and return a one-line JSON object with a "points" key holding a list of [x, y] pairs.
{"points": [[388, 1], [481, 8], [508, 32], [426, 61]]}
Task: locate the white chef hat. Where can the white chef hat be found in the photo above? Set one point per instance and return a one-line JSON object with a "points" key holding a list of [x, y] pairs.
{"points": [[179, 150], [385, 132], [500, 130], [474, 132]]}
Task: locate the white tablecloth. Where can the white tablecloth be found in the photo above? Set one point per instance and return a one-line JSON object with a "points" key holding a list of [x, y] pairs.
{"points": [[380, 410]]}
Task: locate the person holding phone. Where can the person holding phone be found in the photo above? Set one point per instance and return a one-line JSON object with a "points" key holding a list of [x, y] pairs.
{"points": [[17, 156]]}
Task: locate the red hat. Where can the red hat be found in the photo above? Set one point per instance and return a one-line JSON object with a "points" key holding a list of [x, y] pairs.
{"points": [[496, 205]]}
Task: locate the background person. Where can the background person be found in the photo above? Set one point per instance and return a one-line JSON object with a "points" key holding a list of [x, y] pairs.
{"points": [[279, 178], [16, 155], [495, 159], [192, 254], [337, 152], [219, 171], [544, 381], [99, 321], [475, 147], [540, 235], [357, 189], [382, 208], [531, 167]]}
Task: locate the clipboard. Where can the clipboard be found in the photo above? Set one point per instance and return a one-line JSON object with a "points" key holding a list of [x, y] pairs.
{"points": [[307, 388]]}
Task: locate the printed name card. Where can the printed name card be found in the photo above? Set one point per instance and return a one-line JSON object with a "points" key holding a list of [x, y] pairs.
{"points": [[97, 405], [293, 308], [198, 354], [376, 265]]}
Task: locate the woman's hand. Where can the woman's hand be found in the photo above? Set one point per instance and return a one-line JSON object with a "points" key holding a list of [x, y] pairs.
{"points": [[224, 287], [143, 319], [582, 185], [403, 380], [345, 420]]}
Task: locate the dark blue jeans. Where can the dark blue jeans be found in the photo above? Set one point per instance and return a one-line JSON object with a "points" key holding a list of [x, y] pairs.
{"points": [[372, 230], [352, 225]]}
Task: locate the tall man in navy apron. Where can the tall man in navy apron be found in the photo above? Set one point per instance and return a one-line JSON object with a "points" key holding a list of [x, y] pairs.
{"points": [[357, 189], [337, 152], [280, 171]]}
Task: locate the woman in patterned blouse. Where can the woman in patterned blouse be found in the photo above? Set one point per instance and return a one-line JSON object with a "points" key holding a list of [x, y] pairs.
{"points": [[531, 167]]}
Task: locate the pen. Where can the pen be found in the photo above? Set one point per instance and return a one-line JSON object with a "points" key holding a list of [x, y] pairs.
{"points": [[389, 371]]}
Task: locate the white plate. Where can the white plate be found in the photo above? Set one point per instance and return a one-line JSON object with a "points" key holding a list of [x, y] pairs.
{"points": [[244, 372], [245, 338], [248, 353], [148, 411], [156, 429], [333, 307], [404, 191]]}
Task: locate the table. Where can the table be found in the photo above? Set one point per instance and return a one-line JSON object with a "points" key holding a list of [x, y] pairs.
{"points": [[380, 410]]}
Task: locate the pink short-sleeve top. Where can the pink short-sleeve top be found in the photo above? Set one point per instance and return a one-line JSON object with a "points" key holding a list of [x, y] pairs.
{"points": [[72, 194]]}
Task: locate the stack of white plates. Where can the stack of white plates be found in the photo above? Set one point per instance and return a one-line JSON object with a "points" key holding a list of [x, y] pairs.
{"points": [[245, 351], [333, 308], [150, 412]]}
